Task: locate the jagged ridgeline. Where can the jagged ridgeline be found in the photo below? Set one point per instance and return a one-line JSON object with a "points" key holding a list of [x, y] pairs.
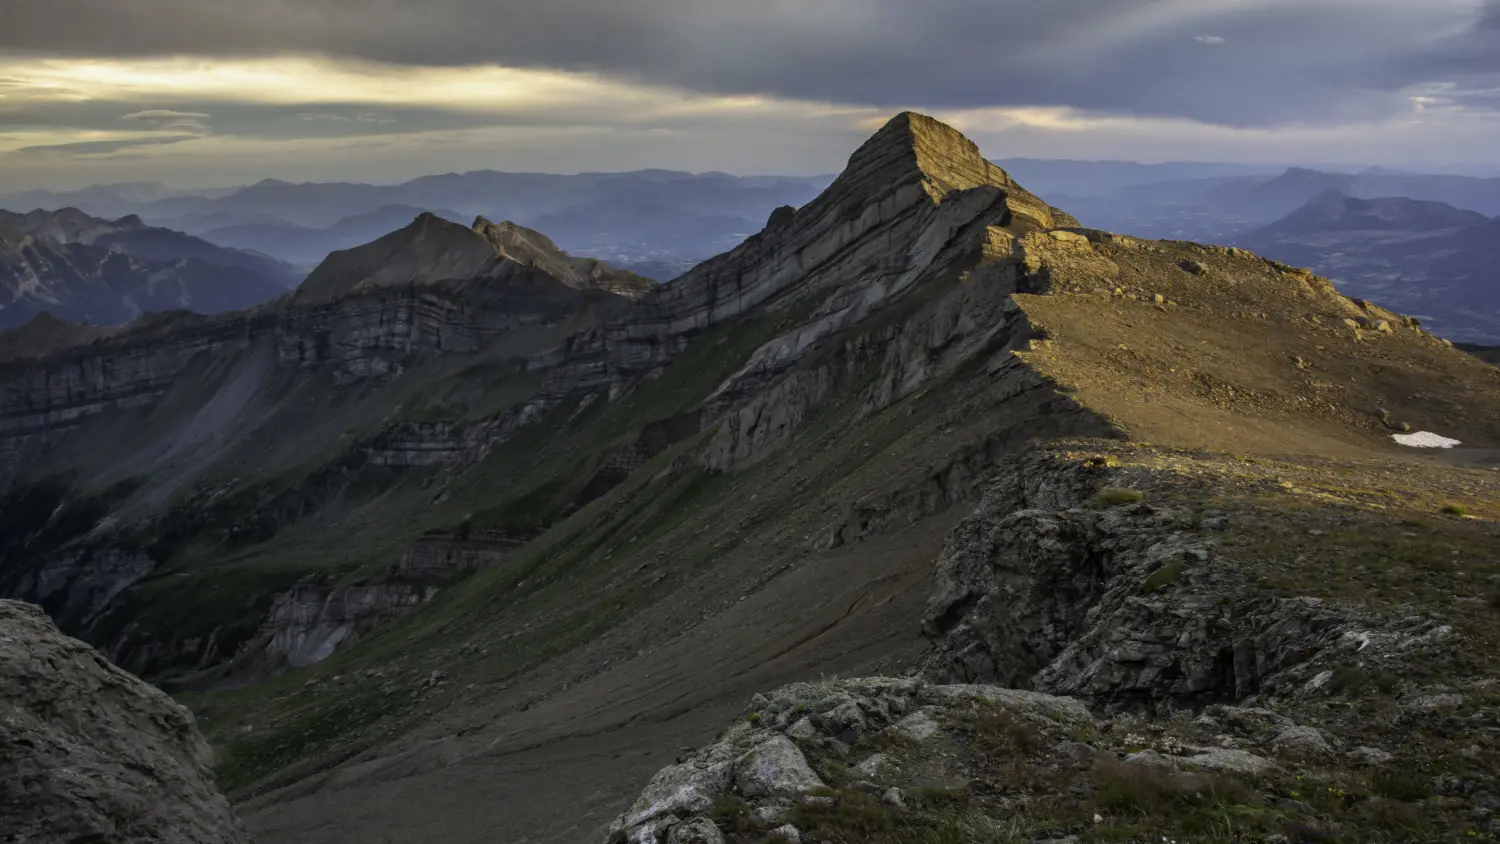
{"points": [[469, 482]]}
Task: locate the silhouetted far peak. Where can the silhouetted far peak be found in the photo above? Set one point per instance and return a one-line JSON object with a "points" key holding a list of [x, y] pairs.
{"points": [[1334, 210]]}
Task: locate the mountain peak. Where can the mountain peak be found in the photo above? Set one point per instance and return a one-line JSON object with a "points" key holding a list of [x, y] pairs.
{"points": [[433, 250], [915, 148], [912, 147]]}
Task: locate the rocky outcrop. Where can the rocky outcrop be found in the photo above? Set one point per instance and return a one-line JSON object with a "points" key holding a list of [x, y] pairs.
{"points": [[758, 776], [438, 557], [1130, 607], [307, 624], [899, 759], [418, 444], [90, 753]]}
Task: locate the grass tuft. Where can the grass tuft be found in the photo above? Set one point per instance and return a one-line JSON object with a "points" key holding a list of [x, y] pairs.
{"points": [[847, 817], [1163, 577], [1118, 497]]}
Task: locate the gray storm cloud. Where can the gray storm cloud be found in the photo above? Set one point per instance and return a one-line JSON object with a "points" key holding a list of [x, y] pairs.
{"points": [[1273, 61]]}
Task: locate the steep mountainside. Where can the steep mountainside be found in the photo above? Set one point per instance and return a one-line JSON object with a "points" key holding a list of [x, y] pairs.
{"points": [[432, 250], [526, 541], [1427, 259]]}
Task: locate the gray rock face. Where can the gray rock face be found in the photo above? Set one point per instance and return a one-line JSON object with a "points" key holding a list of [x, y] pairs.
{"points": [[689, 788], [915, 201], [307, 624], [1127, 607], [1302, 740], [40, 400], [440, 557], [90, 753], [775, 768], [696, 831]]}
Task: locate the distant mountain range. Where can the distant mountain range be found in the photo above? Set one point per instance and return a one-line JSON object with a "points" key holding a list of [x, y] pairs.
{"points": [[1064, 177], [80, 268], [660, 223], [659, 220], [1428, 259], [1220, 207]]}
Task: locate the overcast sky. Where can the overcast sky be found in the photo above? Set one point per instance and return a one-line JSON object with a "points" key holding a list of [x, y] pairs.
{"points": [[201, 92]]}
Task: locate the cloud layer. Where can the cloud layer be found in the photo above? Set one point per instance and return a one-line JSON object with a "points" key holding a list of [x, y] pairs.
{"points": [[1132, 75], [1279, 60]]}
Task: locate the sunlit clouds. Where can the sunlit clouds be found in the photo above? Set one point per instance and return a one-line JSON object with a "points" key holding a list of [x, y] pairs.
{"points": [[199, 92]]}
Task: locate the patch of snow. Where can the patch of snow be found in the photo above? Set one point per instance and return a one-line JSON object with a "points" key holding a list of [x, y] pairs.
{"points": [[1424, 439]]}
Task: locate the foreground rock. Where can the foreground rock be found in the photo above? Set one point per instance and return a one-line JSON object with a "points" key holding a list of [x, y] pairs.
{"points": [[903, 760], [90, 753]]}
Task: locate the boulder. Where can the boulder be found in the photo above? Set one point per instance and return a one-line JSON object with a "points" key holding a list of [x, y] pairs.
{"points": [[1221, 760], [775, 768], [918, 726], [689, 788], [1307, 741]]}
